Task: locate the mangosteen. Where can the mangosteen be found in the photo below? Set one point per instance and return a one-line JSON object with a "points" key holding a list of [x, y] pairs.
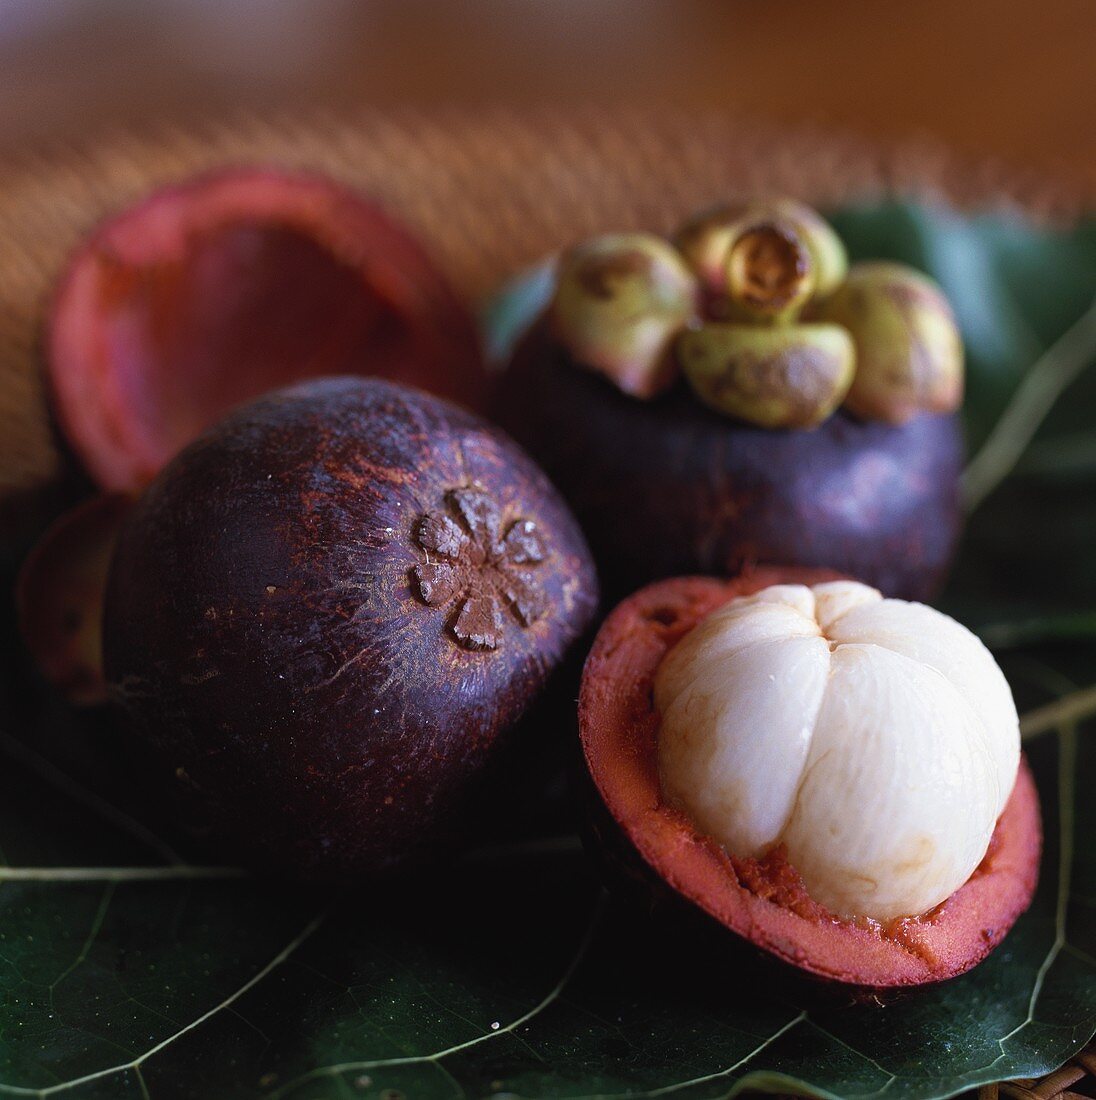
{"points": [[740, 395], [59, 596], [326, 612], [223, 287], [834, 776]]}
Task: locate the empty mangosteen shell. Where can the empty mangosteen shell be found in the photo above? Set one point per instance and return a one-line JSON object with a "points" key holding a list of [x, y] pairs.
{"points": [[667, 487], [266, 632], [59, 596], [213, 291], [764, 901]]}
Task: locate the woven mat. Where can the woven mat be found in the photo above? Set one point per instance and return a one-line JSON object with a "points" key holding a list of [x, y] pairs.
{"points": [[489, 192], [1078, 1073]]}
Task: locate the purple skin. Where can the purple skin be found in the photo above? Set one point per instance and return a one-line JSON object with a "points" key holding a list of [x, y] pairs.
{"points": [[667, 487], [321, 639]]}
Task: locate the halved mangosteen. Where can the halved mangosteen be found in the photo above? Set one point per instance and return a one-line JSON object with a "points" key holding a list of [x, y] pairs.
{"points": [[833, 776], [231, 284]]}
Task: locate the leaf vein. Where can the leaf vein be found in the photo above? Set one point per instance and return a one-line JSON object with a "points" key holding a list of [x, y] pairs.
{"points": [[93, 932], [506, 1029], [172, 873], [779, 1033], [1059, 366], [64, 783], [136, 1063]]}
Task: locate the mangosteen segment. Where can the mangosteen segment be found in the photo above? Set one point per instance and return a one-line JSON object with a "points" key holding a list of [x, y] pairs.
{"points": [[888, 748]]}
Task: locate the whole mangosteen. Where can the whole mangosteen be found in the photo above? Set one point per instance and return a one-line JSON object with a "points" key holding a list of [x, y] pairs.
{"points": [[739, 395], [326, 611]]}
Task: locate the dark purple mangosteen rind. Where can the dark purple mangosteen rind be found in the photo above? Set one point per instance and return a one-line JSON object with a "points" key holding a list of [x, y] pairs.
{"points": [[287, 623], [668, 487]]}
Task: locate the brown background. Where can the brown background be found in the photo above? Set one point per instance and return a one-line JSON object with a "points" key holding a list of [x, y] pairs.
{"points": [[997, 79]]}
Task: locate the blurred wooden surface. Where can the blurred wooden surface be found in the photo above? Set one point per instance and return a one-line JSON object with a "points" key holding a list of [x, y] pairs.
{"points": [[999, 79]]}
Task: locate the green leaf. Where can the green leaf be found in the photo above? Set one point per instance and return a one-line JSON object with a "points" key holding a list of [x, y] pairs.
{"points": [[509, 974], [127, 970]]}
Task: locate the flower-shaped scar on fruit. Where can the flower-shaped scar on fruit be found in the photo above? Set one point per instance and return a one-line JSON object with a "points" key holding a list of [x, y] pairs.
{"points": [[479, 565], [834, 776], [876, 740], [757, 307]]}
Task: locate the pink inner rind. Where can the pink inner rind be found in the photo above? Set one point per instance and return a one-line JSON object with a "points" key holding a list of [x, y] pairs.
{"points": [[230, 285]]}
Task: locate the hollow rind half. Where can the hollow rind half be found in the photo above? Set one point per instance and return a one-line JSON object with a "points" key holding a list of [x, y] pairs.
{"points": [[215, 290], [59, 596], [619, 727]]}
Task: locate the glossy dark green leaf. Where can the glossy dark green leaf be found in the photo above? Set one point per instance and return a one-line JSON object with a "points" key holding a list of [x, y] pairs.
{"points": [[129, 971]]}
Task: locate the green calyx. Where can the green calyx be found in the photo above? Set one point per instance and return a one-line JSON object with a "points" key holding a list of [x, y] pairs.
{"points": [[619, 303], [789, 376], [763, 259], [909, 355], [769, 274], [757, 305]]}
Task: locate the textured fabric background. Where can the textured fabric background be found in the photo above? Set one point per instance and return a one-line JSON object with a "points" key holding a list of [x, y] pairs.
{"points": [[488, 191]]}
